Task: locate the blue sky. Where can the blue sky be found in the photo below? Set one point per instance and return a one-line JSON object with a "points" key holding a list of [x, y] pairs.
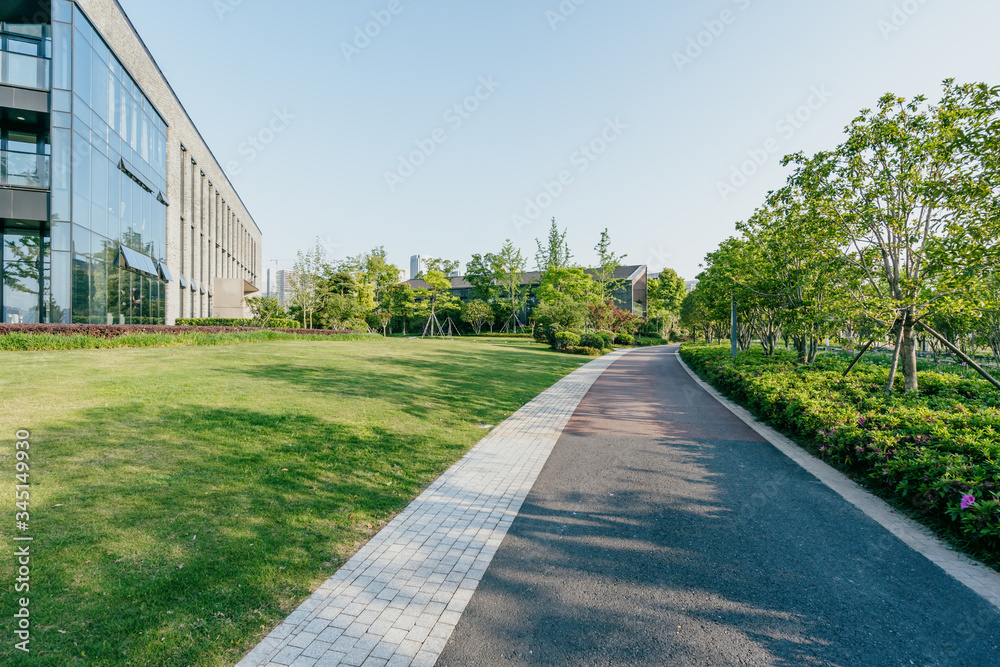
{"points": [[667, 98]]}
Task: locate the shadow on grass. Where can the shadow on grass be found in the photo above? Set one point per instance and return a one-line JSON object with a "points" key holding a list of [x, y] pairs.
{"points": [[422, 385], [181, 535]]}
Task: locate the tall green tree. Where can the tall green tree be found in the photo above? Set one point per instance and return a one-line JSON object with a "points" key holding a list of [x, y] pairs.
{"points": [[437, 295], [912, 193], [666, 293], [308, 295], [608, 264], [375, 275], [510, 268], [483, 273], [554, 254]]}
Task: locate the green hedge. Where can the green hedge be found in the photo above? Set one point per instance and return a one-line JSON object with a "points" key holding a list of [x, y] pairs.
{"points": [[586, 351], [224, 322], [926, 450]]}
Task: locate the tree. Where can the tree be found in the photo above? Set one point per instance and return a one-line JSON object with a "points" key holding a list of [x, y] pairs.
{"points": [[563, 310], [483, 274], [477, 313], [437, 294], [666, 293], [374, 274], [265, 310], [707, 309], [307, 294], [384, 318], [573, 282], [510, 265], [555, 254], [911, 194], [608, 263], [402, 303]]}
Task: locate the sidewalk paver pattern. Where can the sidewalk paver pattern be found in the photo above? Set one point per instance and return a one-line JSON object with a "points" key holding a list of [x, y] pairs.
{"points": [[397, 601]]}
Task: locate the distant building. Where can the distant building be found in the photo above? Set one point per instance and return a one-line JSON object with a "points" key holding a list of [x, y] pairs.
{"points": [[283, 286], [690, 284], [418, 264]]}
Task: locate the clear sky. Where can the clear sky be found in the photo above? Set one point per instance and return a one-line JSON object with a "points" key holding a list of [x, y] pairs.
{"points": [[664, 120]]}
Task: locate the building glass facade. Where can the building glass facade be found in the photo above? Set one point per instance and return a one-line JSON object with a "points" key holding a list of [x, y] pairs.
{"points": [[101, 154]]}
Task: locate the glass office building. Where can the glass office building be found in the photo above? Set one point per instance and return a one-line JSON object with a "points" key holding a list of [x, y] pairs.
{"points": [[84, 205]]}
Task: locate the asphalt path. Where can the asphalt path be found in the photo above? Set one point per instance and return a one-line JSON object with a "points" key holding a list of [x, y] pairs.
{"points": [[664, 531]]}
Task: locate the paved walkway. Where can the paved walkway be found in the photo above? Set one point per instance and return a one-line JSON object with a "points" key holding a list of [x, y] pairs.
{"points": [[665, 531], [659, 529], [398, 599]]}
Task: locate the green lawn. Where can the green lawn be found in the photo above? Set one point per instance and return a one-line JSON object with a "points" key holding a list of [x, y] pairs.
{"points": [[185, 499]]}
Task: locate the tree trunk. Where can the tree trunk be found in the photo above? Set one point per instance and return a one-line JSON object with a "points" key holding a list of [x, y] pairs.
{"points": [[895, 357], [800, 347], [909, 352]]}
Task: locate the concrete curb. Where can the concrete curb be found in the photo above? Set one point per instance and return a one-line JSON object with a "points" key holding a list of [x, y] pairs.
{"points": [[397, 601], [979, 578]]}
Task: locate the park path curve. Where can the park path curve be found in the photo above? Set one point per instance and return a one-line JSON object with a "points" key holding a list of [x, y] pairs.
{"points": [[627, 516], [664, 530]]}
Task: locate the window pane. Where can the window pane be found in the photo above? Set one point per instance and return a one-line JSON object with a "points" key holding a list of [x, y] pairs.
{"points": [[81, 289], [20, 292], [82, 24], [62, 100], [99, 101], [114, 202], [81, 180], [81, 67], [62, 51], [59, 288], [62, 150], [99, 193], [99, 292], [60, 236]]}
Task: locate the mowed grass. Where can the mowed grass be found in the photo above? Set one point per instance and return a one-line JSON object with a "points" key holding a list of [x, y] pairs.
{"points": [[185, 499]]}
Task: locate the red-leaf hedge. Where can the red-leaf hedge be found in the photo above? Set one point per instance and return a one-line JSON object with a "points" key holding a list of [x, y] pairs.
{"points": [[115, 330]]}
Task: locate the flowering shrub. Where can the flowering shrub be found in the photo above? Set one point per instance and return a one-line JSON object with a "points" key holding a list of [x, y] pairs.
{"points": [[115, 330], [937, 450]]}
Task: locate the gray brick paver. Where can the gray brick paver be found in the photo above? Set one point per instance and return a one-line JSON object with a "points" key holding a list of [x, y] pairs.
{"points": [[416, 576]]}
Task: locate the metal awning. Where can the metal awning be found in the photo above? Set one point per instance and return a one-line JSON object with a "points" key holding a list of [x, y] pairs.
{"points": [[137, 261]]}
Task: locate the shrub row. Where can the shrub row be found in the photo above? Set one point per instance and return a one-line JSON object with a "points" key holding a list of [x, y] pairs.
{"points": [[115, 330], [230, 322], [936, 451], [565, 341]]}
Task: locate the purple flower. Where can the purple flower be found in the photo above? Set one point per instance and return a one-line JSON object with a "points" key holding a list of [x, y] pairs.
{"points": [[823, 448], [968, 501]]}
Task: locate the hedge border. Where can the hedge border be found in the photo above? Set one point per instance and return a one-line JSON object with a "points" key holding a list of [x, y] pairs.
{"points": [[115, 330]]}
